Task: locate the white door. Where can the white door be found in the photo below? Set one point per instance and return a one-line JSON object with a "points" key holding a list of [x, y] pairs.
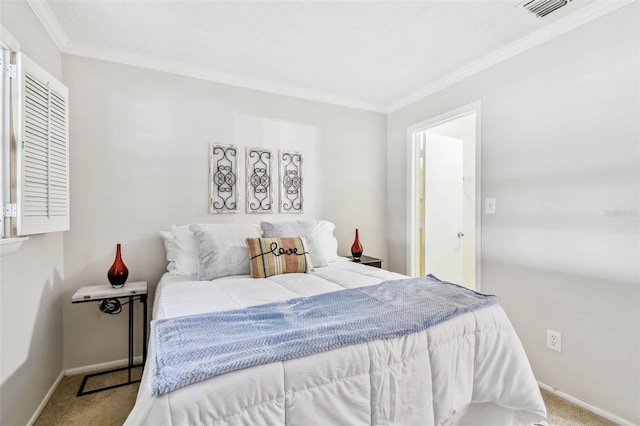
{"points": [[443, 205]]}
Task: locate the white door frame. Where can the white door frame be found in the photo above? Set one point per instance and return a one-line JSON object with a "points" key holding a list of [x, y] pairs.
{"points": [[412, 222]]}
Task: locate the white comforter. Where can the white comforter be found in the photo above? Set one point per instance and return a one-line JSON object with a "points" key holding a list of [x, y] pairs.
{"points": [[469, 370]]}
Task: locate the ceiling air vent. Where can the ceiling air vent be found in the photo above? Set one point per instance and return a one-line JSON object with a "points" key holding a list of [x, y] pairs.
{"points": [[542, 8]]}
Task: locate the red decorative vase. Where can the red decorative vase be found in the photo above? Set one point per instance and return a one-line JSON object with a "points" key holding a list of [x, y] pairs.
{"points": [[356, 249], [118, 272]]}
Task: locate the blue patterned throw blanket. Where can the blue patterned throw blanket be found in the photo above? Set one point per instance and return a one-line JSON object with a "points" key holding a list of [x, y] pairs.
{"points": [[194, 348]]}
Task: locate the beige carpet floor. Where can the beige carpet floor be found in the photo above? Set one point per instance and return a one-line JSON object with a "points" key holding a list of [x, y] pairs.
{"points": [[111, 407], [561, 412]]}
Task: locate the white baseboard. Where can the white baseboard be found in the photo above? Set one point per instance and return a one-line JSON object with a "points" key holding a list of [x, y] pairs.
{"points": [[46, 399], [580, 403], [102, 366]]}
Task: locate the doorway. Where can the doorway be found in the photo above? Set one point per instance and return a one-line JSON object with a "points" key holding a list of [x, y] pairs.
{"points": [[444, 225]]}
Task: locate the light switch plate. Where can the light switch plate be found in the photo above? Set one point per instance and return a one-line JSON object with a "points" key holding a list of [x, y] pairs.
{"points": [[490, 206]]}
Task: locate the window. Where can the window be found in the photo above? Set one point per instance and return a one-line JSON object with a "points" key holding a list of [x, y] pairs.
{"points": [[35, 156]]}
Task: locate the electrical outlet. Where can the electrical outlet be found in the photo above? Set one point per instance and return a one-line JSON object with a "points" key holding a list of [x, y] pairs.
{"points": [[554, 340]]}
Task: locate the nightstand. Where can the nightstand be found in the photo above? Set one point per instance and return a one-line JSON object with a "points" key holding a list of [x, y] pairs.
{"points": [[131, 291], [369, 261]]}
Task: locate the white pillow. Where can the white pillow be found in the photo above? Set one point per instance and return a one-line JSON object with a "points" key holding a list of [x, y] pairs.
{"points": [[170, 248], [169, 245], [298, 228], [327, 242], [186, 254], [222, 248]]}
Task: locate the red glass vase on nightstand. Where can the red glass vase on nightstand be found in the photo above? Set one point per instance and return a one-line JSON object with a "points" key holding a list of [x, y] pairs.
{"points": [[118, 272], [356, 248]]}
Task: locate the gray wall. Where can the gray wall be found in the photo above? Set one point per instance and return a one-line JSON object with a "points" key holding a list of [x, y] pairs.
{"points": [[139, 141], [31, 354], [560, 152]]}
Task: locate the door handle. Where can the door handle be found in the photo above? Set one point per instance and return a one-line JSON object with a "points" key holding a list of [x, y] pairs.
{"points": [[460, 235]]}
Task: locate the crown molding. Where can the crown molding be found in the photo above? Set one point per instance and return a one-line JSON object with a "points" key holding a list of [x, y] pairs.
{"points": [[50, 22], [582, 16], [175, 67]]}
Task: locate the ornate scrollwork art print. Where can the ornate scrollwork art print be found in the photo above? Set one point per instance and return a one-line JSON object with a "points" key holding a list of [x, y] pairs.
{"points": [[223, 179], [291, 181], [259, 185]]}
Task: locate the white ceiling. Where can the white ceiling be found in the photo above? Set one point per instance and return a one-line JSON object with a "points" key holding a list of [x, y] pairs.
{"points": [[371, 55]]}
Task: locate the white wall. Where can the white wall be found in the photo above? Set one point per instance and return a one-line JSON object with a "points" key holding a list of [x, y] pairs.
{"points": [[139, 150], [31, 353], [560, 152]]}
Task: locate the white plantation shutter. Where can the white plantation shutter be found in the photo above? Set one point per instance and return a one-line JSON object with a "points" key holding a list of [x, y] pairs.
{"points": [[42, 146]]}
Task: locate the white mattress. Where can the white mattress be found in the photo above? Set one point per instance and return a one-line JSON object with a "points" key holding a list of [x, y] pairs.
{"points": [[469, 370]]}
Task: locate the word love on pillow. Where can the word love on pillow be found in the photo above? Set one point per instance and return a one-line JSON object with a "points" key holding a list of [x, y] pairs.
{"points": [[274, 256]]}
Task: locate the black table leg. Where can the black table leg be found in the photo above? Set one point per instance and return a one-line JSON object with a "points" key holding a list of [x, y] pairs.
{"points": [[143, 300], [130, 366], [130, 336]]}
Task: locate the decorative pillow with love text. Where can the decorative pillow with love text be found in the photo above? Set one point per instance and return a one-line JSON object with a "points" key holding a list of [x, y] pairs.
{"points": [[274, 256]]}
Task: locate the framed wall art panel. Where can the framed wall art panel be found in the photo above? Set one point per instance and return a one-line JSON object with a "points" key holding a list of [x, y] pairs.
{"points": [[223, 179], [291, 182], [259, 182]]}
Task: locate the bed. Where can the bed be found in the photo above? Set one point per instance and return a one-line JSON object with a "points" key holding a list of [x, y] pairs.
{"points": [[470, 369]]}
